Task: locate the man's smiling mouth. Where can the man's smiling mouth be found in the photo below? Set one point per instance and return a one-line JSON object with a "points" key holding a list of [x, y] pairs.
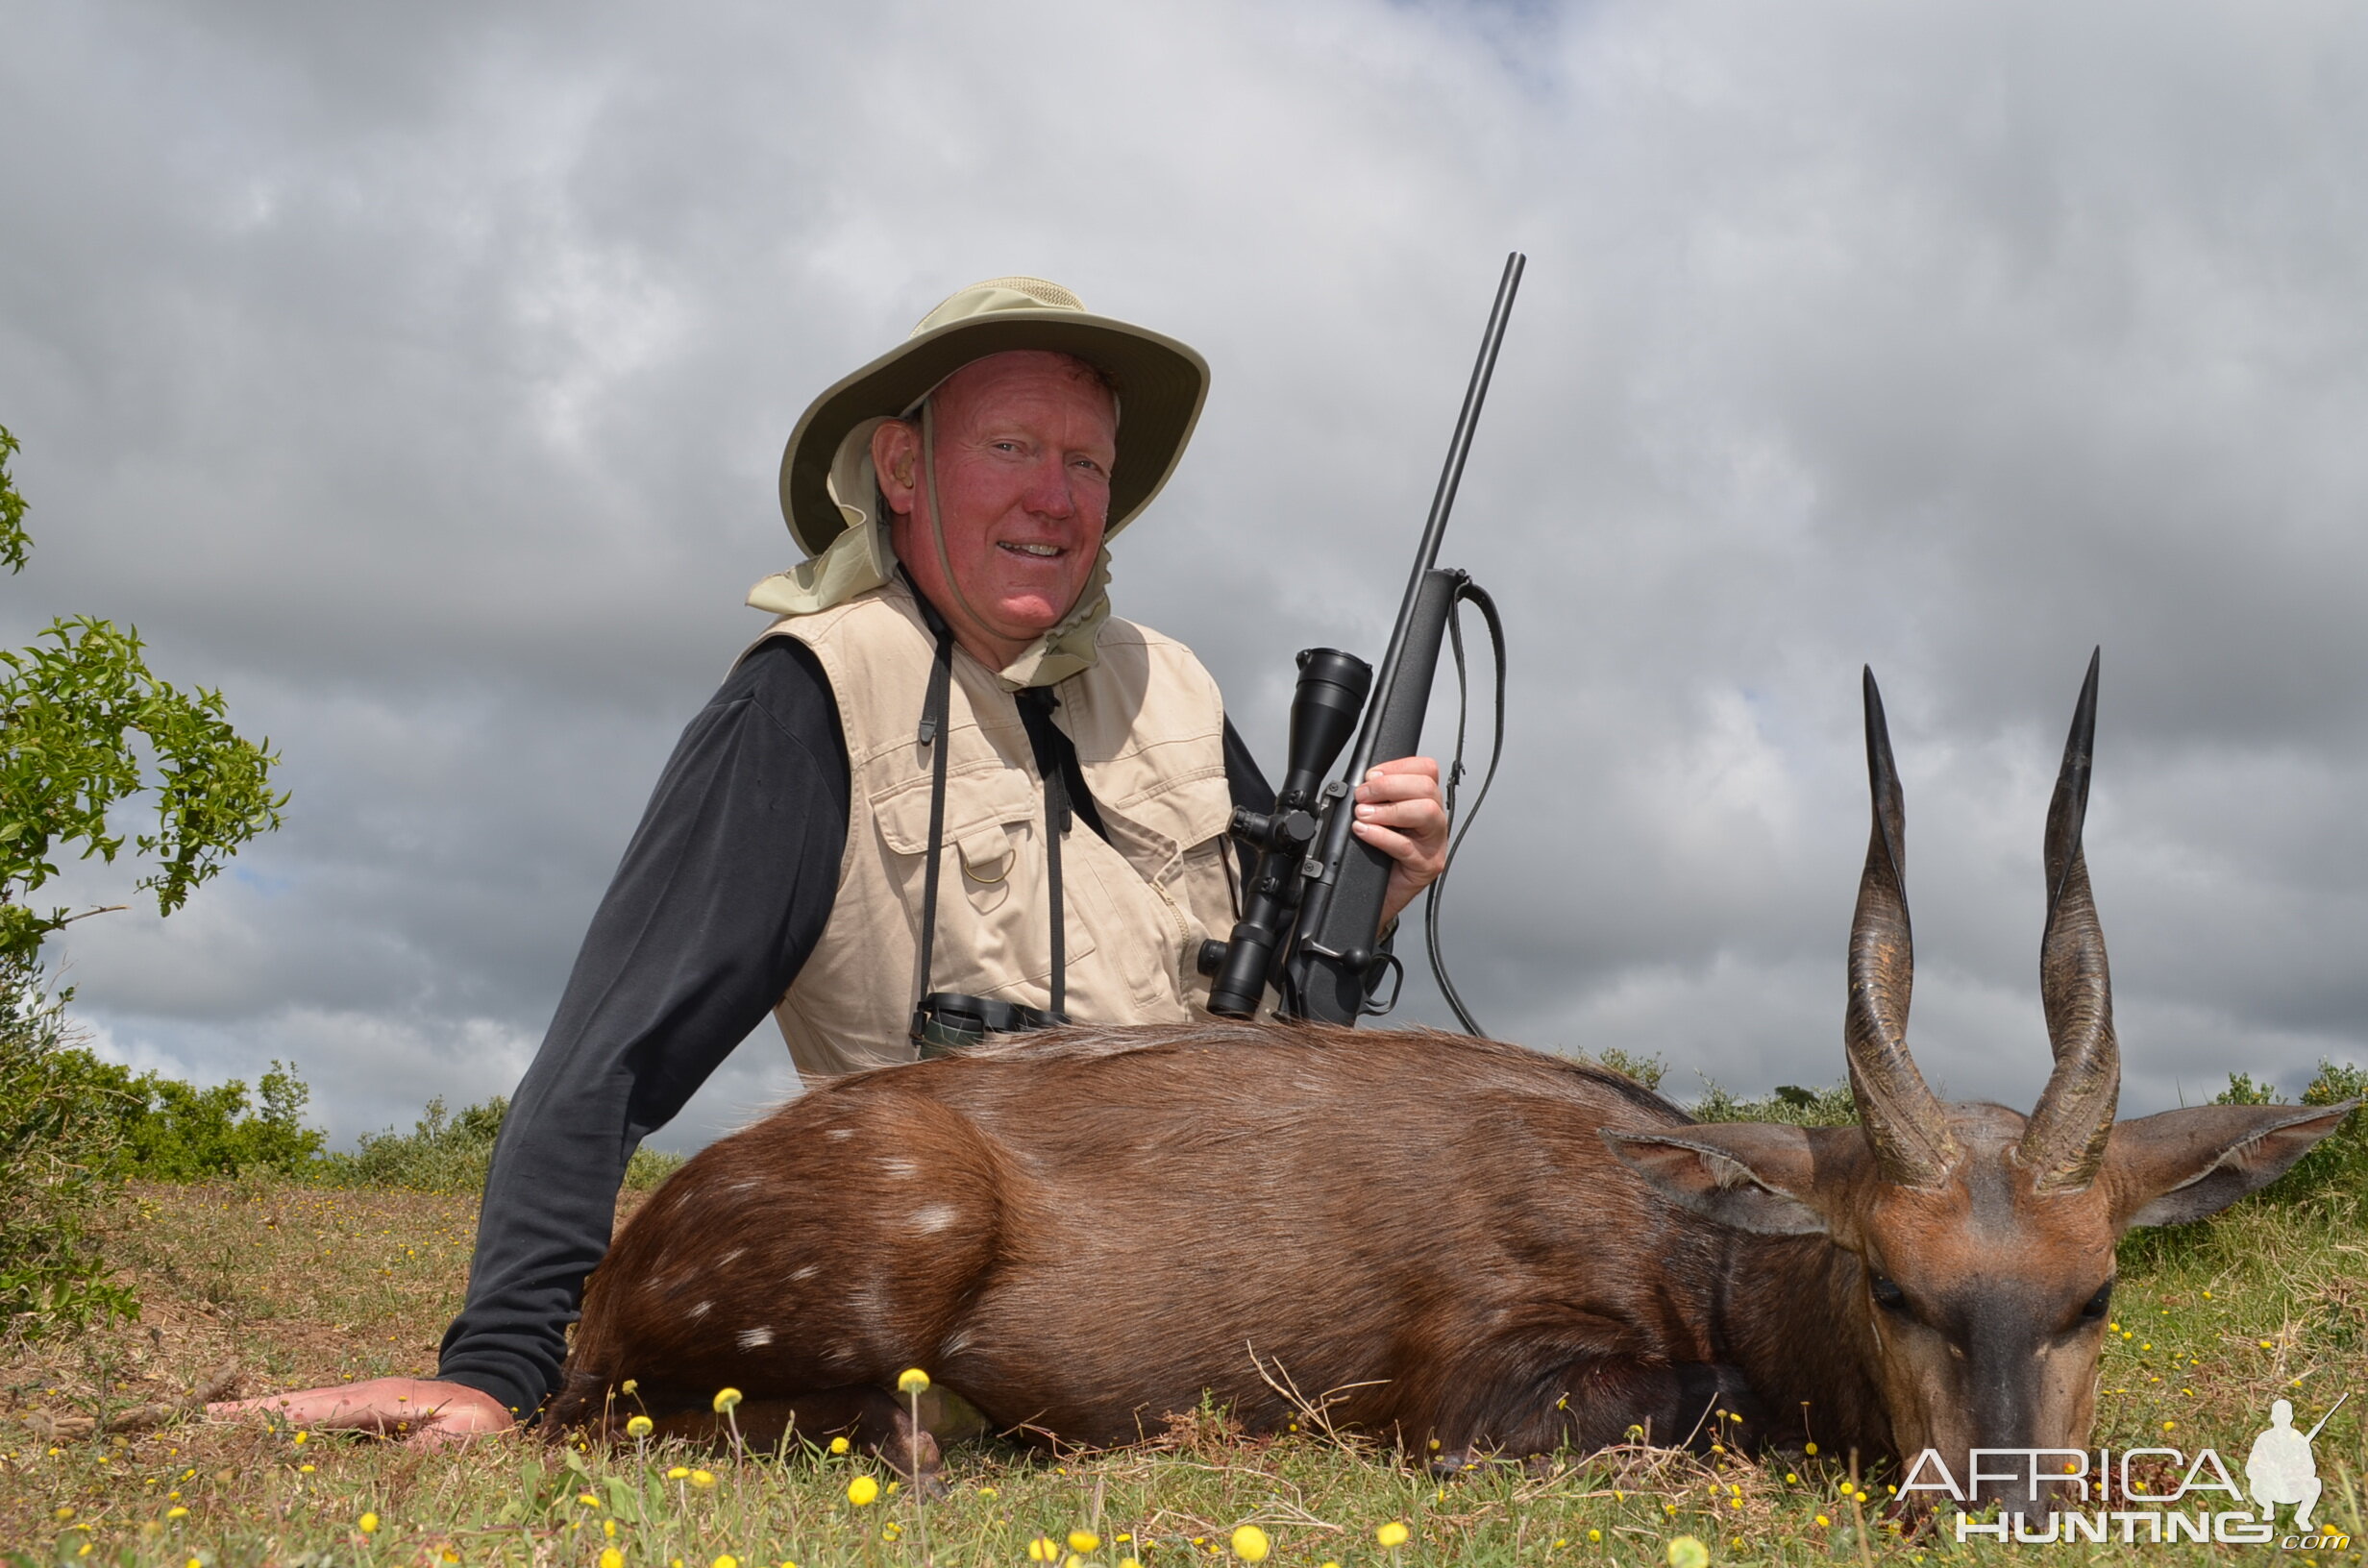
{"points": [[1038, 550]]}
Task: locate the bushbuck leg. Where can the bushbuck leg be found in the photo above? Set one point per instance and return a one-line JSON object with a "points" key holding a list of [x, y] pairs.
{"points": [[872, 1418], [1596, 1401]]}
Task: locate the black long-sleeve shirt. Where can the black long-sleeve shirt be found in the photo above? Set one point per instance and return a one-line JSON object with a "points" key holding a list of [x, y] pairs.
{"points": [[721, 897]]}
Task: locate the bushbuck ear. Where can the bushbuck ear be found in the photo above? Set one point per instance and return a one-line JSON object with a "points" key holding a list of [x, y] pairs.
{"points": [[2181, 1166], [1747, 1175]]}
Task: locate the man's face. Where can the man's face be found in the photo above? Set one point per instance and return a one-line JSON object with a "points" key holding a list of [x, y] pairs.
{"points": [[1025, 442]]}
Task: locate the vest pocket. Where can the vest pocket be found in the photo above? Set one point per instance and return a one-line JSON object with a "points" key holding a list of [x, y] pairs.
{"points": [[993, 909]]}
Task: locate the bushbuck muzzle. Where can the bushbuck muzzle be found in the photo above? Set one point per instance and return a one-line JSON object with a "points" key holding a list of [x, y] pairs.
{"points": [[1459, 1245]]}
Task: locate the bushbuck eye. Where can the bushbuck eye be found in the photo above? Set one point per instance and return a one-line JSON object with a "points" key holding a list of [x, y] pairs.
{"points": [[2096, 1304], [1888, 1295]]}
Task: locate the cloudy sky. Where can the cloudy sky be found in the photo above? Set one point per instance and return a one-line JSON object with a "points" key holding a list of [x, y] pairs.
{"points": [[417, 375]]}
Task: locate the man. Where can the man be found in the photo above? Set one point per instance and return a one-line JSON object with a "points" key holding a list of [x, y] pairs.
{"points": [[945, 775]]}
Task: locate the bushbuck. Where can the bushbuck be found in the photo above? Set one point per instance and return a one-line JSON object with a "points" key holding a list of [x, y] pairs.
{"points": [[1467, 1245]]}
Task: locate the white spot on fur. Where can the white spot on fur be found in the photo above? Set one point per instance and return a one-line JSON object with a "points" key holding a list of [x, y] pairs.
{"points": [[955, 1344], [899, 1168], [755, 1338], [840, 1131], [807, 1272], [700, 1311], [730, 1257], [741, 1186], [936, 1218]]}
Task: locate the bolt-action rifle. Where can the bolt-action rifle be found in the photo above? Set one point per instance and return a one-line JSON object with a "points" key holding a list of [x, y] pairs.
{"points": [[1311, 915]]}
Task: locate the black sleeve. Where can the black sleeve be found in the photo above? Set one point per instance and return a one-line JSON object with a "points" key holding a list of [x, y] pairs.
{"points": [[1250, 789], [720, 895]]}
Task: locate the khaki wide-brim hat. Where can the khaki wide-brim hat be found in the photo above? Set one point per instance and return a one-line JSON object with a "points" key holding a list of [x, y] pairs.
{"points": [[1161, 384]]}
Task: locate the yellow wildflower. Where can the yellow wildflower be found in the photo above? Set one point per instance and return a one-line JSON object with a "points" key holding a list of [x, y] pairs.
{"points": [[727, 1400], [1083, 1541], [1688, 1551], [367, 1524], [1250, 1544], [1044, 1549], [680, 1472], [640, 1426], [703, 1479], [1392, 1534], [727, 1560], [912, 1381], [863, 1491], [838, 1445], [611, 1557]]}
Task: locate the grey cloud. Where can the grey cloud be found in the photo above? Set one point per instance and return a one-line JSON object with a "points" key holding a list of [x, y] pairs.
{"points": [[420, 380]]}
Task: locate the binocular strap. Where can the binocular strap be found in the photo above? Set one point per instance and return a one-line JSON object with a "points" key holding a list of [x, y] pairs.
{"points": [[1057, 815]]}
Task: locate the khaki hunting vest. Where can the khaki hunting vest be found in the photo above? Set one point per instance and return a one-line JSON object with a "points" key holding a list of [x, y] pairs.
{"points": [[1149, 727]]}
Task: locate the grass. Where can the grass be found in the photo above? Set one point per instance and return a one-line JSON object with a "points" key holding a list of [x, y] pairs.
{"points": [[298, 1285]]}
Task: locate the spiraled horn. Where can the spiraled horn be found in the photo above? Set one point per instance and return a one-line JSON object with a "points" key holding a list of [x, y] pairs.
{"points": [[2065, 1138], [1904, 1120]]}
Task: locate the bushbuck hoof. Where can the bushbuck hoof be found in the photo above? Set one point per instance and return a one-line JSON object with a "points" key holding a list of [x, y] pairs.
{"points": [[1450, 1463]]}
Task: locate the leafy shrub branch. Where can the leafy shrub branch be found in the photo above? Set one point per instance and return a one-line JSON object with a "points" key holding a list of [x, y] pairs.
{"points": [[79, 714], [85, 726]]}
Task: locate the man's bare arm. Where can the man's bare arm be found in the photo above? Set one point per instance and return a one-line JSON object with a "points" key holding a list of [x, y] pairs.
{"points": [[427, 1411]]}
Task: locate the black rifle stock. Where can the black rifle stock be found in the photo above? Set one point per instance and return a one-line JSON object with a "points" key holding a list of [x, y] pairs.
{"points": [[1311, 921]]}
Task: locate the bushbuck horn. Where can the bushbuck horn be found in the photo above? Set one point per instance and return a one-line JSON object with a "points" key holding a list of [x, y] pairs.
{"points": [[2064, 1143], [1904, 1120]]}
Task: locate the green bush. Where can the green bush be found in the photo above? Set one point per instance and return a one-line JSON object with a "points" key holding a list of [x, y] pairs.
{"points": [[170, 1131], [448, 1153], [58, 1150], [1787, 1103]]}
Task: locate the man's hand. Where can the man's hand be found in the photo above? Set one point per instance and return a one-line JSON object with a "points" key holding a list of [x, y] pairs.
{"points": [[1399, 813], [428, 1412]]}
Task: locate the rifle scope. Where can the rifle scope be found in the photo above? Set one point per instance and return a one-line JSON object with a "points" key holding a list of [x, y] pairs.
{"points": [[1324, 709]]}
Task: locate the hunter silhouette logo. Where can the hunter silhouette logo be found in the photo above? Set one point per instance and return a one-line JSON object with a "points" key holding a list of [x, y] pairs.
{"points": [[2280, 1468]]}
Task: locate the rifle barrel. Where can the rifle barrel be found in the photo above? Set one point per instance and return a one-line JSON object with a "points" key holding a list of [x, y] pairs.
{"points": [[1443, 502]]}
